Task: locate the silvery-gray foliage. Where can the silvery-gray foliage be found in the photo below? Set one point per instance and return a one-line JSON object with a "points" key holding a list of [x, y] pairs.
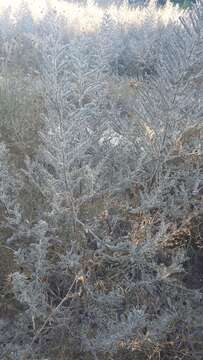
{"points": [[7, 181], [89, 144], [32, 291]]}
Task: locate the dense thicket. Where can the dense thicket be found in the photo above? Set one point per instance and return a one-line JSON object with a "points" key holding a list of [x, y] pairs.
{"points": [[181, 3], [101, 184]]}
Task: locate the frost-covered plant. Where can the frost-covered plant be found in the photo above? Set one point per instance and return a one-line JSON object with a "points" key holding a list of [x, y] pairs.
{"points": [[7, 181], [30, 288], [81, 282]]}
